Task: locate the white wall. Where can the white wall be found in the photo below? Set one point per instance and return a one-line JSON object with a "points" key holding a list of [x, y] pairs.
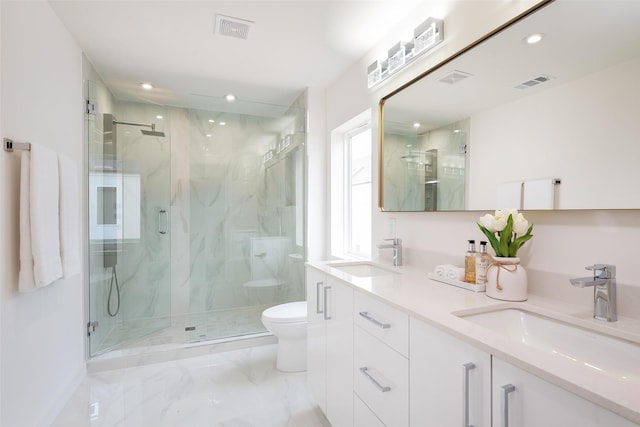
{"points": [[564, 242], [597, 164], [42, 332], [3, 225], [316, 184]]}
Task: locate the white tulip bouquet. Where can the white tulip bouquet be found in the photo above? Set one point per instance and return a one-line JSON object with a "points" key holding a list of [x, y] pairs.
{"points": [[507, 231]]}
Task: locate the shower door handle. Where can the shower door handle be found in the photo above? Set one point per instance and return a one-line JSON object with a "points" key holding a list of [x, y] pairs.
{"points": [[163, 221]]}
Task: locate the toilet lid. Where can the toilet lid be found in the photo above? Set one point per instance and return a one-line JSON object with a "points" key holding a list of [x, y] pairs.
{"points": [[289, 312]]}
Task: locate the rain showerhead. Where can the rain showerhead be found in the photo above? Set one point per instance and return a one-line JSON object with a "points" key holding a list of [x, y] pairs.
{"points": [[152, 132]]}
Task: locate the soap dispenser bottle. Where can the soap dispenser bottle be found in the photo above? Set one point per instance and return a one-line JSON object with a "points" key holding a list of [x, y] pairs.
{"points": [[470, 263], [482, 264]]}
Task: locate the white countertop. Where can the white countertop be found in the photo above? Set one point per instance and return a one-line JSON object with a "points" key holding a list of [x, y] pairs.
{"points": [[433, 302]]}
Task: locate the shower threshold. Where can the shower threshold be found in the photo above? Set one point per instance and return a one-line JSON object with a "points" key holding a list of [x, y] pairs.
{"points": [[189, 336]]}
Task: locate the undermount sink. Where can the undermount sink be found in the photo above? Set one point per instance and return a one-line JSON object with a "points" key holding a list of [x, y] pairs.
{"points": [[361, 269], [605, 354]]}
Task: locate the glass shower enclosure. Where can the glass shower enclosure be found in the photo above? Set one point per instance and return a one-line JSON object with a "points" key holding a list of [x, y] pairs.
{"points": [[196, 218], [129, 241]]}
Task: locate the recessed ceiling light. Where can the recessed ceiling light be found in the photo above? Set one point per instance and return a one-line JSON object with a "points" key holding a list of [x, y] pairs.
{"points": [[223, 123], [159, 117], [208, 135], [211, 121], [534, 38], [457, 131], [146, 86], [230, 97], [416, 125]]}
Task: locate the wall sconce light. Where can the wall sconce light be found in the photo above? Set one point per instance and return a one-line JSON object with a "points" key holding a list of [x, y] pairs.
{"points": [[425, 36]]}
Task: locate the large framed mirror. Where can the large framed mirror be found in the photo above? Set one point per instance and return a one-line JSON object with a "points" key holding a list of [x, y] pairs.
{"points": [[509, 124]]}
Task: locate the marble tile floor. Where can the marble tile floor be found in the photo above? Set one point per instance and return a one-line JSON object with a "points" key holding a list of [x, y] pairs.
{"points": [[239, 388]]}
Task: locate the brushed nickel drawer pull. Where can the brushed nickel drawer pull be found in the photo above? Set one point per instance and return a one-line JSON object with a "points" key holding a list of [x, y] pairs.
{"points": [[374, 321]]}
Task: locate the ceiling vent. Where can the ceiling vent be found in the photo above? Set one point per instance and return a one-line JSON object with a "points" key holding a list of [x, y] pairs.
{"points": [[533, 82], [232, 27], [455, 77]]}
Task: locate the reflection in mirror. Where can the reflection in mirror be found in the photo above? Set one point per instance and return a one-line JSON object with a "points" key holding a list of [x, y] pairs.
{"points": [[425, 171], [564, 109]]}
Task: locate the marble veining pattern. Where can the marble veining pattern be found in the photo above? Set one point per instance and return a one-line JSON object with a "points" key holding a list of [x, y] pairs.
{"points": [[239, 388]]}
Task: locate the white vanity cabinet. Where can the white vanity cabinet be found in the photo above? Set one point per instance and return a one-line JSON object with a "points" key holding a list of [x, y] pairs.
{"points": [[381, 365], [371, 363], [521, 399], [450, 380], [330, 346]]}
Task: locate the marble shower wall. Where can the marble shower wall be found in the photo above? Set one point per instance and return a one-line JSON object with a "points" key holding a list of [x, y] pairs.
{"points": [[402, 187], [234, 197]]}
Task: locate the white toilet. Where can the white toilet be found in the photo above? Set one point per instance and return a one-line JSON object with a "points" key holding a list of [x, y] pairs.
{"points": [[288, 322]]}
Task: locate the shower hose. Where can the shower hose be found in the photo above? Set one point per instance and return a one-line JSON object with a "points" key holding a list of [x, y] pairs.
{"points": [[114, 279]]}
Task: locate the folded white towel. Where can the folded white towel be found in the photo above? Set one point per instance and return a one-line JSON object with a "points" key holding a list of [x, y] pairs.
{"points": [[26, 282], [43, 207], [449, 271], [69, 218], [455, 273], [440, 270]]}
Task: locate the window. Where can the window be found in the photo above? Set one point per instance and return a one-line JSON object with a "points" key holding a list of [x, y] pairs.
{"points": [[358, 145], [351, 188]]}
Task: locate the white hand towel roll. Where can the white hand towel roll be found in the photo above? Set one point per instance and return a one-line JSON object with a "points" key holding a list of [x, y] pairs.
{"points": [[455, 273], [440, 270]]}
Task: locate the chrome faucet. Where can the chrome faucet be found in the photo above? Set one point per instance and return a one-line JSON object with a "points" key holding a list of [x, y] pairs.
{"points": [[604, 291], [396, 245]]}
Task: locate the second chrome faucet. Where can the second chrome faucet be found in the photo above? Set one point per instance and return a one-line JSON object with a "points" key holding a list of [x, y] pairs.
{"points": [[396, 245], [604, 291]]}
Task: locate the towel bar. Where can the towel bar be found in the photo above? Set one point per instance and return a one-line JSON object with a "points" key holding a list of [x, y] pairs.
{"points": [[10, 145]]}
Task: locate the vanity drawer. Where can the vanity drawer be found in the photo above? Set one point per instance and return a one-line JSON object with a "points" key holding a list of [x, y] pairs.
{"points": [[381, 379], [386, 323], [363, 416]]}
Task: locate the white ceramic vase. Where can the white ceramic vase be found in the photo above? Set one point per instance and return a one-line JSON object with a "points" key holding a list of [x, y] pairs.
{"points": [[506, 280]]}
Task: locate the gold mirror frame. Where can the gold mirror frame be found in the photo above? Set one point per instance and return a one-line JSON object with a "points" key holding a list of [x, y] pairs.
{"points": [[440, 65]]}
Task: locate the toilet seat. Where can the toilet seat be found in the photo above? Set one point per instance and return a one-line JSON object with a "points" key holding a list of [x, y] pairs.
{"points": [[291, 312]]}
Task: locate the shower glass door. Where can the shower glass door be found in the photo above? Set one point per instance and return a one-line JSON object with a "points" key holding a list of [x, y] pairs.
{"points": [[129, 182]]}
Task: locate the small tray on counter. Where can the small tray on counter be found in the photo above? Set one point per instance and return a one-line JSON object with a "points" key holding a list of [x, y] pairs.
{"points": [[457, 283]]}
